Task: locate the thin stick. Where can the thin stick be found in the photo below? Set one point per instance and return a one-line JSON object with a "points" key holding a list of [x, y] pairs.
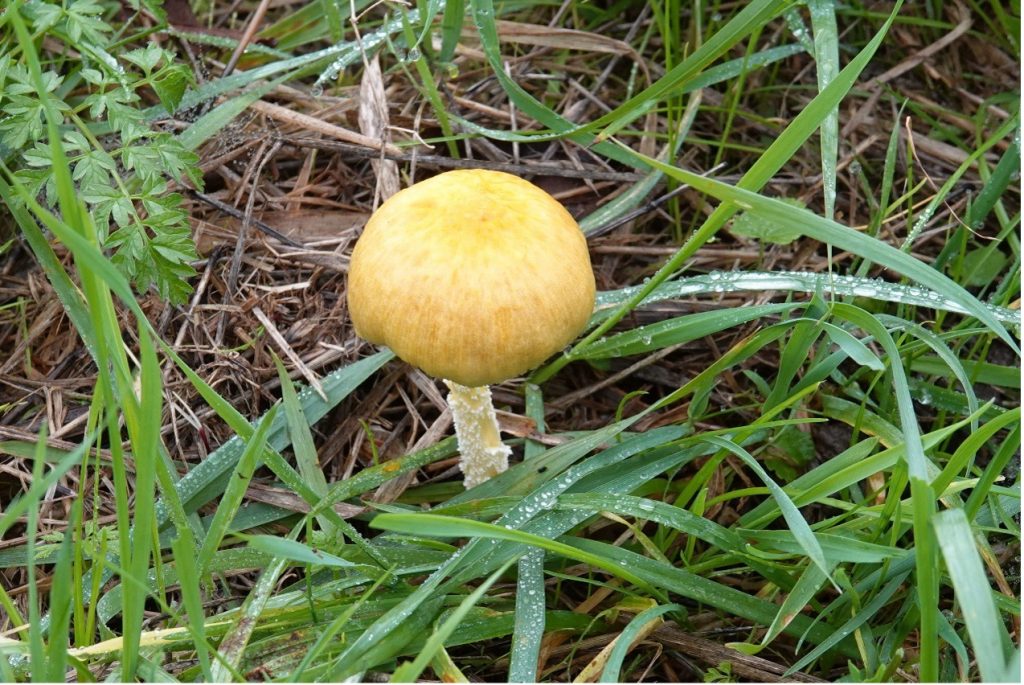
{"points": [[436, 161]]}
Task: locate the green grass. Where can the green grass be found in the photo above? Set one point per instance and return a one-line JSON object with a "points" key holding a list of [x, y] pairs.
{"points": [[880, 561]]}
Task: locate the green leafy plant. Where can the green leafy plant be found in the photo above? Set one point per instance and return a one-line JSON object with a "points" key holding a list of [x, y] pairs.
{"points": [[122, 165]]}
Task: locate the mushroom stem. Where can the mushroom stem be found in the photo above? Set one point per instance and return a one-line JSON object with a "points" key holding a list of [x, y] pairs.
{"points": [[476, 428]]}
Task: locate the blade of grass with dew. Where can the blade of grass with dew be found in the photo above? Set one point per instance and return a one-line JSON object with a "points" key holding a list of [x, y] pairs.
{"points": [[660, 512], [624, 640], [345, 54], [1007, 129], [450, 526], [826, 60], [214, 121], [531, 609], [944, 399], [351, 52], [530, 618], [451, 29], [731, 69], [235, 491], [777, 154], [973, 593], [841, 236], [793, 281], [410, 672], [427, 83], [426, 17], [677, 330]]}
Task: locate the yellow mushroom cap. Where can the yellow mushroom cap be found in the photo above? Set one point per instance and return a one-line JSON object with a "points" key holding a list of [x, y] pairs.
{"points": [[474, 276]]}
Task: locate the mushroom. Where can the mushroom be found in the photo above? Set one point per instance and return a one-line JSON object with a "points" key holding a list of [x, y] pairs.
{"points": [[475, 277]]}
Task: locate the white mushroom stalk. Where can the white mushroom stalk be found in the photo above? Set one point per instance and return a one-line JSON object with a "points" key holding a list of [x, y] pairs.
{"points": [[476, 428]]}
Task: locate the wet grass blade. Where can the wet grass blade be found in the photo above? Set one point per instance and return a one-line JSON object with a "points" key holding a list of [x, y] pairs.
{"points": [[450, 526], [530, 618], [973, 593], [843, 237], [826, 59], [233, 494], [795, 281]]}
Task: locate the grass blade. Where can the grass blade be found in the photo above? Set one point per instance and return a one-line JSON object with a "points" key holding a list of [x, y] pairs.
{"points": [[956, 541], [826, 59], [841, 236], [450, 526], [183, 547], [530, 615], [235, 491]]}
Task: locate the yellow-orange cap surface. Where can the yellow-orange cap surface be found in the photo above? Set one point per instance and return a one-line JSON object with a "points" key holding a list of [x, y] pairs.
{"points": [[475, 276]]}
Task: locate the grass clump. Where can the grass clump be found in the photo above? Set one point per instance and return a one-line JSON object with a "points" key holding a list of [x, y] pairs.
{"points": [[787, 444]]}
